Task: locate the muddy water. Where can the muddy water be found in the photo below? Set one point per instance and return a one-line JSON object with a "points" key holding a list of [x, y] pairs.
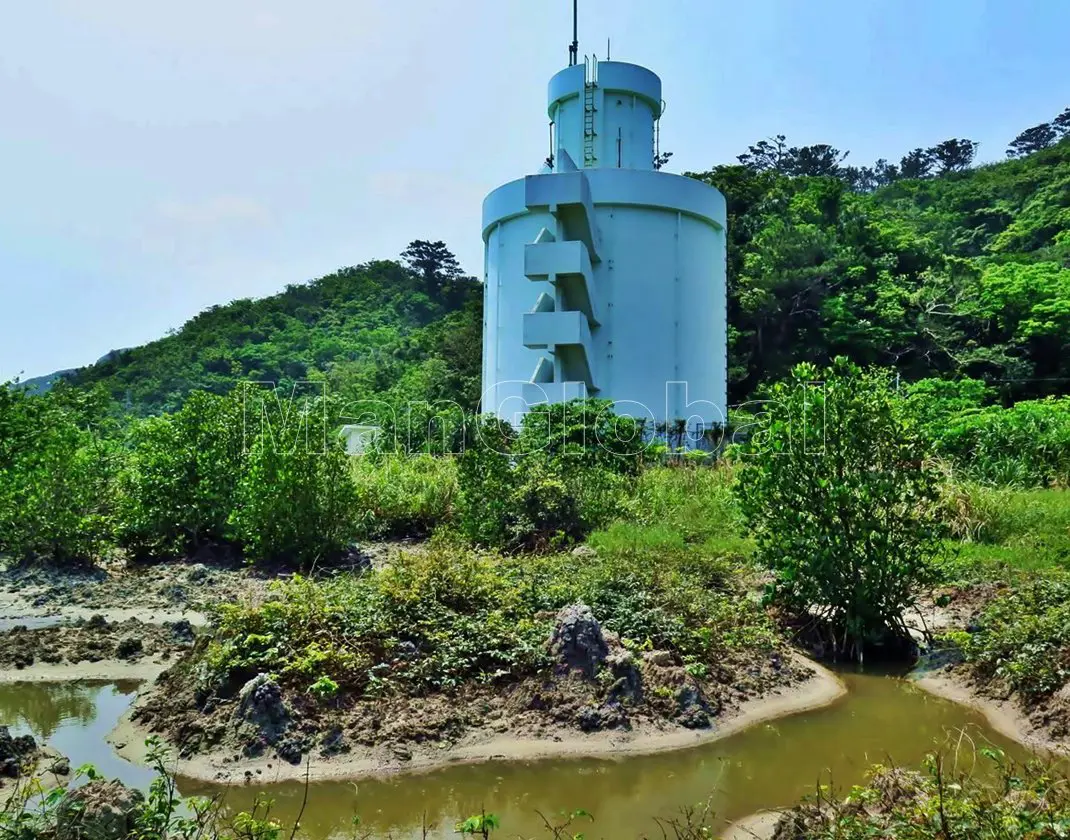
{"points": [[880, 719]]}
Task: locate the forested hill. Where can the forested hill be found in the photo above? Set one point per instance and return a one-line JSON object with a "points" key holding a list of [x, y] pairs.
{"points": [[409, 329], [960, 272], [930, 265]]}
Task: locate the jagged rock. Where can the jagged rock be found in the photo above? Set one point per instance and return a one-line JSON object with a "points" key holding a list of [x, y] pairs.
{"points": [[355, 557], [292, 748], [577, 641], [128, 647], [333, 743], [96, 622], [176, 593], [100, 810], [609, 716], [692, 710], [15, 753], [182, 631], [261, 699], [260, 704], [628, 685], [60, 766], [589, 719], [792, 825]]}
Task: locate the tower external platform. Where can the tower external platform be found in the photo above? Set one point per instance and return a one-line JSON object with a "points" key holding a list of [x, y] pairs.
{"points": [[604, 277]]}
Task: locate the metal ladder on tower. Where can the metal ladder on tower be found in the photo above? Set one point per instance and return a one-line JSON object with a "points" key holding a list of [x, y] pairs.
{"points": [[590, 83]]}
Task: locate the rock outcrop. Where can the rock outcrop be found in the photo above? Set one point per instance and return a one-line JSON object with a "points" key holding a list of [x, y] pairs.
{"points": [[17, 753], [100, 810], [577, 642], [261, 709]]}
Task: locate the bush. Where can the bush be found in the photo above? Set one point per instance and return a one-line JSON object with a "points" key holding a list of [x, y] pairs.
{"points": [[296, 502], [488, 482], [842, 503], [1027, 445], [430, 620], [1024, 638], [180, 487], [57, 474], [445, 615], [996, 800], [568, 471], [403, 496]]}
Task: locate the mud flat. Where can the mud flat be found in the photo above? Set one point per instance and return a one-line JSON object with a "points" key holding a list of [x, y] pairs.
{"points": [[821, 688], [106, 670], [760, 826]]}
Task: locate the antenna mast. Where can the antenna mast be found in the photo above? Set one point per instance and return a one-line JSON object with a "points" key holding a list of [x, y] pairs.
{"points": [[574, 47]]}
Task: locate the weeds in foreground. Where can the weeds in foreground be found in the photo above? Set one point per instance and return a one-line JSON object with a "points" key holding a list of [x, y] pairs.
{"points": [[1000, 800]]}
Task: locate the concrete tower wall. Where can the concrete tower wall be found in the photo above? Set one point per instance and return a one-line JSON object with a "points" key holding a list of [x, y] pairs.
{"points": [[603, 281]]}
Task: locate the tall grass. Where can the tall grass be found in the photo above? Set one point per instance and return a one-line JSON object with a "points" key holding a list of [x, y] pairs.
{"points": [[403, 495], [1006, 533]]}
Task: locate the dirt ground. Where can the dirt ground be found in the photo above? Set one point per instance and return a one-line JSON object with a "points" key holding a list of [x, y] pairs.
{"points": [[415, 735], [93, 640], [153, 593]]}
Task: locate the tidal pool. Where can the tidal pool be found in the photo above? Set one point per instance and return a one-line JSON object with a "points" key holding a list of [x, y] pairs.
{"points": [[881, 719]]}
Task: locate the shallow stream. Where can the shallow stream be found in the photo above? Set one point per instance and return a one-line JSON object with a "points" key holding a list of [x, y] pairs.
{"points": [[881, 719]]}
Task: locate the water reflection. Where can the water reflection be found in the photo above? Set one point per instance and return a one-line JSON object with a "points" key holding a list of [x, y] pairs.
{"points": [[42, 708], [881, 718], [75, 718]]}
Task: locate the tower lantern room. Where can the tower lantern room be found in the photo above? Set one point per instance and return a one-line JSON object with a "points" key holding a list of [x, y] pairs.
{"points": [[603, 275]]}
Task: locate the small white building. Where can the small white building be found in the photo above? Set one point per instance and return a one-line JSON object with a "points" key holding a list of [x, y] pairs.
{"points": [[358, 438]]}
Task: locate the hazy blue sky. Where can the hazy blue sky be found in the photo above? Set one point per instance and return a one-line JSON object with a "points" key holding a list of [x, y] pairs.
{"points": [[160, 157]]}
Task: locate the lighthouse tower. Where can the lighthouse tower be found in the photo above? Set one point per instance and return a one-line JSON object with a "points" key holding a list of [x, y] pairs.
{"points": [[603, 276]]}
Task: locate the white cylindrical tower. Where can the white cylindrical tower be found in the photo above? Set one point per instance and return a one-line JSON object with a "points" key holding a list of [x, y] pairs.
{"points": [[604, 277]]}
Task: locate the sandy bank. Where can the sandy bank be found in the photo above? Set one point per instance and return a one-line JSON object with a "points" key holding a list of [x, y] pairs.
{"points": [[106, 669], [49, 617], [758, 826], [821, 689], [1002, 715]]}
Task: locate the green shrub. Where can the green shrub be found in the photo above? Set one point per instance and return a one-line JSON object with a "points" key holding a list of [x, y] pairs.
{"points": [[991, 799], [488, 482], [642, 585], [1027, 445], [57, 474], [1024, 637], [568, 471], [403, 495], [430, 620], [444, 615], [841, 502], [295, 503], [181, 483]]}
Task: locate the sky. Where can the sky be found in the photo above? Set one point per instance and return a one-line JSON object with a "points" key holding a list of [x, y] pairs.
{"points": [[157, 158]]}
